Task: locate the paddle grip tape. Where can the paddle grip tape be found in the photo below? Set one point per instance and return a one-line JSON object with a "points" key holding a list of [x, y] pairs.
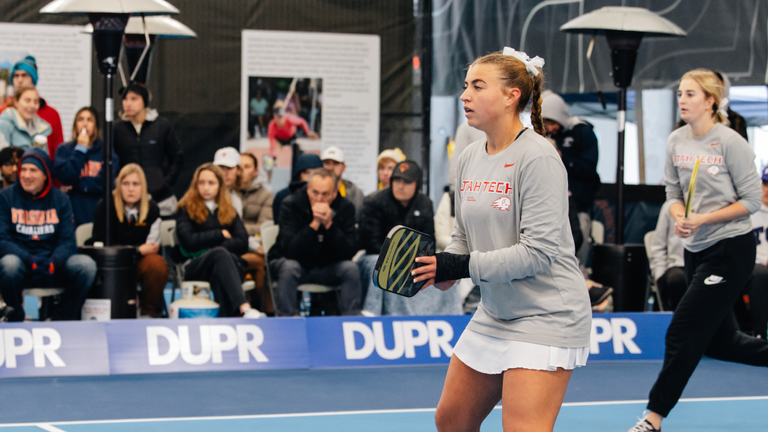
{"points": [[451, 267]]}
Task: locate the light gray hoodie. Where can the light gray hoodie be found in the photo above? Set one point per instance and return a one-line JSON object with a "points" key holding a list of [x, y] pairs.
{"points": [[512, 218]]}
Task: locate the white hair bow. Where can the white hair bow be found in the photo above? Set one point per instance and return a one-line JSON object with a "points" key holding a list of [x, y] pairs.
{"points": [[723, 108], [530, 63]]}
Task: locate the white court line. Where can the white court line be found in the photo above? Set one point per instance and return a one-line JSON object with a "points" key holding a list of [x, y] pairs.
{"points": [[49, 428], [333, 413]]}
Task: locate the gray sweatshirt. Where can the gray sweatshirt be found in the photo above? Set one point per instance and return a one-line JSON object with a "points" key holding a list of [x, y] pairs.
{"points": [[727, 175], [512, 218], [667, 248]]}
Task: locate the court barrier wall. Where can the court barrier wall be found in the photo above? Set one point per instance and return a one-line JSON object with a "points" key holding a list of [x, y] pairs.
{"points": [[201, 345]]}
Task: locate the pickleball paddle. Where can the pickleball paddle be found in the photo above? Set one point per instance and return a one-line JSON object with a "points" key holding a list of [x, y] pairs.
{"points": [[396, 260]]}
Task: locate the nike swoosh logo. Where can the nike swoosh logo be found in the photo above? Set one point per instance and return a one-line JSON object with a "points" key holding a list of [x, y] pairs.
{"points": [[713, 280], [508, 165]]}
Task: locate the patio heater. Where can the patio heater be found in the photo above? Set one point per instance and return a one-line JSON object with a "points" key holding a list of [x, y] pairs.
{"points": [[622, 266]]}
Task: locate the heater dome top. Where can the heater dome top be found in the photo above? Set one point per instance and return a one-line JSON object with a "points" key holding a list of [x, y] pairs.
{"points": [[628, 19], [135, 7], [160, 26]]}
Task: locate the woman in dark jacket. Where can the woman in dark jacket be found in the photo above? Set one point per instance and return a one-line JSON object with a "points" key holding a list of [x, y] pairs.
{"points": [[212, 237], [400, 204], [135, 221], [78, 165]]}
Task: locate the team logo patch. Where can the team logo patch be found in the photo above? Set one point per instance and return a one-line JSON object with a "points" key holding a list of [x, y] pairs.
{"points": [[713, 170], [713, 280], [404, 167], [502, 204]]}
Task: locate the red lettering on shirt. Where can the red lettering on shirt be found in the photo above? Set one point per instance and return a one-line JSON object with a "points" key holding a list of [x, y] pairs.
{"points": [[91, 169], [34, 217]]}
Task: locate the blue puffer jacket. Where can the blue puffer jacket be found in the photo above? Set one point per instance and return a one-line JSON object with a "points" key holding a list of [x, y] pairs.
{"points": [[83, 171], [40, 226]]}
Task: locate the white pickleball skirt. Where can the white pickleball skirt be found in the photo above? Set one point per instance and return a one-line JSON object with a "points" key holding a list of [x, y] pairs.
{"points": [[490, 355]]}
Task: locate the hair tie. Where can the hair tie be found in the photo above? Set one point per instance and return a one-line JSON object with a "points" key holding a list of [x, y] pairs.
{"points": [[531, 64]]}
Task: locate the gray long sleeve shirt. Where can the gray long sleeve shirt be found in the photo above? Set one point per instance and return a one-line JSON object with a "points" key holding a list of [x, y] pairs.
{"points": [[726, 175], [512, 218], [667, 248]]}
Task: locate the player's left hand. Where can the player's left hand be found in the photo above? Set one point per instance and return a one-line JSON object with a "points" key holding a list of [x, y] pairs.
{"points": [[685, 228]]}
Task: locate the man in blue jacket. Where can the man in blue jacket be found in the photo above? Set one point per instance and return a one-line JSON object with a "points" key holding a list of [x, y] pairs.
{"points": [[37, 241]]}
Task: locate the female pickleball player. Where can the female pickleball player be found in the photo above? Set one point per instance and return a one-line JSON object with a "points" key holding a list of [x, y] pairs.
{"points": [[719, 244], [512, 237]]}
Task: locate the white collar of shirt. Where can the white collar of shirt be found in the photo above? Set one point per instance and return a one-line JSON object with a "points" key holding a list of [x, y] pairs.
{"points": [[211, 204]]}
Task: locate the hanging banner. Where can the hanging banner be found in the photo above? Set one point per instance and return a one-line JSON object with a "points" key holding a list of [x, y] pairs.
{"points": [[328, 85], [63, 54]]}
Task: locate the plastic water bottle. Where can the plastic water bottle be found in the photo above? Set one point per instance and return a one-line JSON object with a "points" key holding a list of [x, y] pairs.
{"points": [[305, 304]]}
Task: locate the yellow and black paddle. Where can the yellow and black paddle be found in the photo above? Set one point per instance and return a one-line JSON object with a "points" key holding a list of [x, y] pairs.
{"points": [[692, 188], [396, 260]]}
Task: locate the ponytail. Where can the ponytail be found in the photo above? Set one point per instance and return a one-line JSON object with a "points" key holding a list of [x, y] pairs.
{"points": [[536, 100]]}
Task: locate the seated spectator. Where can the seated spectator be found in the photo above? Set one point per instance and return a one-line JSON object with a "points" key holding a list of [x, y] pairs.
{"points": [[401, 204], [37, 241], [228, 159], [78, 165], [385, 163], [146, 139], [134, 220], [757, 286], [20, 126], [257, 209], [212, 238], [306, 163], [316, 244], [333, 160], [24, 74], [667, 263], [9, 160]]}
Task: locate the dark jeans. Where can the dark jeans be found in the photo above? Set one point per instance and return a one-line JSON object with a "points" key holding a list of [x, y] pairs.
{"points": [[76, 278], [704, 323], [671, 287], [223, 271], [290, 274]]}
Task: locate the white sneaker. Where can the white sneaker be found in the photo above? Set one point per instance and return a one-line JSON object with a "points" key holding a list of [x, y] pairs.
{"points": [[644, 426], [254, 314]]}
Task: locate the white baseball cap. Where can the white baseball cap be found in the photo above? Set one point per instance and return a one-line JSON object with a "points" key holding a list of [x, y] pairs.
{"points": [[227, 157], [333, 153]]}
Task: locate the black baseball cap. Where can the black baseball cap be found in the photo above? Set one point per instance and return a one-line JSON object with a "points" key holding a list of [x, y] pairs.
{"points": [[408, 171]]}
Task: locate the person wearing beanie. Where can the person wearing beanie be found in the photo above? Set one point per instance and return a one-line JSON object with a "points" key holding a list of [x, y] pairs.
{"points": [[577, 145], [304, 164], [385, 163], [37, 241], [148, 140], [78, 164], [333, 159], [24, 74], [9, 161]]}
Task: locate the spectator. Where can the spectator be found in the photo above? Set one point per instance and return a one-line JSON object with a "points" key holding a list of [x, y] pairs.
{"points": [[78, 165], [145, 139], [385, 163], [304, 165], [757, 286], [577, 145], [37, 241], [24, 74], [9, 160], [212, 238], [333, 160], [20, 125], [228, 159], [316, 244], [667, 263], [258, 111], [257, 209], [135, 221], [401, 204]]}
